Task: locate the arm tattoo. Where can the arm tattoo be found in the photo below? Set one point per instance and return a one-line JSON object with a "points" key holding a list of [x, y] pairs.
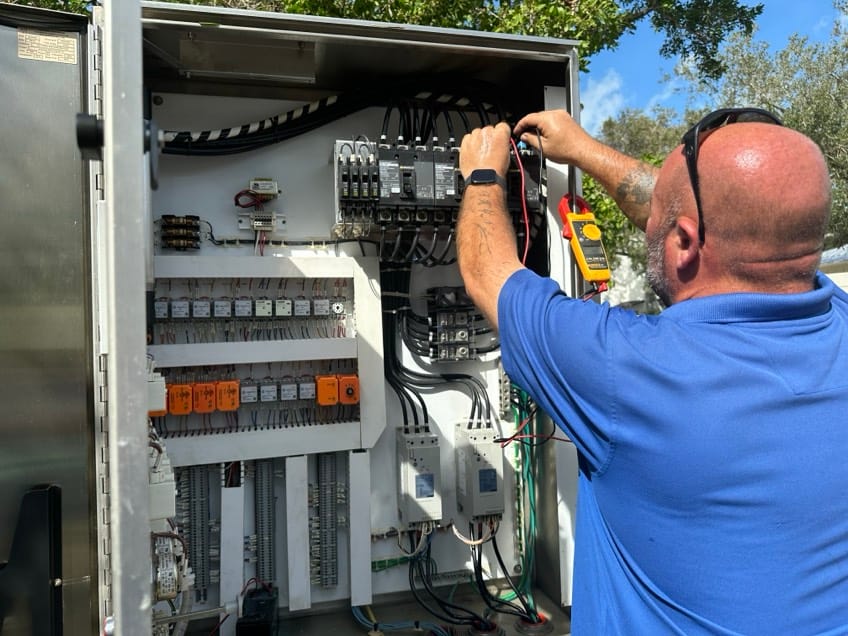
{"points": [[637, 186]]}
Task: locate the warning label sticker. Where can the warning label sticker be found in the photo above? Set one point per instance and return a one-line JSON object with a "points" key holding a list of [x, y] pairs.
{"points": [[47, 46]]}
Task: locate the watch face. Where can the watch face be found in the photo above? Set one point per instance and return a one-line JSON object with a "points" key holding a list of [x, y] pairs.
{"points": [[482, 176]]}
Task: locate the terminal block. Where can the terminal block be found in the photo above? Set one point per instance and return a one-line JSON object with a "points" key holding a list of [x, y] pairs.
{"points": [[450, 315], [479, 472], [261, 221], [419, 477]]}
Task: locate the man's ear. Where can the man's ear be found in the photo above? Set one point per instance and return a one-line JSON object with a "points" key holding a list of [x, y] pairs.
{"points": [[685, 242]]}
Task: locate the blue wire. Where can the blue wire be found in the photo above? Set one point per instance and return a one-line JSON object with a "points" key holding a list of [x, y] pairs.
{"points": [[436, 630]]}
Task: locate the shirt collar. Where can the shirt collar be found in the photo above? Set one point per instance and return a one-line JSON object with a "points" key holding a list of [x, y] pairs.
{"points": [[756, 307]]}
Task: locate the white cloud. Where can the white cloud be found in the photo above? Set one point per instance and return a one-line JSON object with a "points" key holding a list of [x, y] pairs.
{"points": [[668, 91], [601, 100]]}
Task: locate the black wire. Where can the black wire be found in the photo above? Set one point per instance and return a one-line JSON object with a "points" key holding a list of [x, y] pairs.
{"points": [[398, 281], [440, 260], [476, 388], [488, 349], [396, 249], [280, 128], [444, 604], [384, 131], [481, 113], [415, 564], [425, 258], [212, 238], [382, 242], [449, 122], [532, 615], [492, 602], [414, 245]]}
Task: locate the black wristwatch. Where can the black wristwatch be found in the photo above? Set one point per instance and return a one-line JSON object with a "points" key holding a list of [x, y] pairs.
{"points": [[485, 176]]}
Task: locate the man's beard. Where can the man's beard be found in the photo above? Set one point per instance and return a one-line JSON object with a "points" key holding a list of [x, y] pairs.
{"points": [[655, 274]]}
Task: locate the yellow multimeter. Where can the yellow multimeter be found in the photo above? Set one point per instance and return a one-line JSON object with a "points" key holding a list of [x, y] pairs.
{"points": [[584, 236]]}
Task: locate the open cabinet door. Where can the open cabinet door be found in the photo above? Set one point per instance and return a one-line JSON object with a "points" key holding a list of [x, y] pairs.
{"points": [[48, 579]]}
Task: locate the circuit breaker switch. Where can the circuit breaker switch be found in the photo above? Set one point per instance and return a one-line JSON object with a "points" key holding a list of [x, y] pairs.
{"points": [[348, 389], [327, 387]]}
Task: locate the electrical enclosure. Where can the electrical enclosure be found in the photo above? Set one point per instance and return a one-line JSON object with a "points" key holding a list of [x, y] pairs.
{"points": [[278, 342]]}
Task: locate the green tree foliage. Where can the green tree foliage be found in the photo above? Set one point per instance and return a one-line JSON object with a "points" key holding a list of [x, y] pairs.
{"points": [[805, 83], [649, 137], [693, 28], [71, 6]]}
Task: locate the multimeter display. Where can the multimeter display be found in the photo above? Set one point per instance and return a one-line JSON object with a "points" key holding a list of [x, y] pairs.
{"points": [[588, 248], [592, 248]]}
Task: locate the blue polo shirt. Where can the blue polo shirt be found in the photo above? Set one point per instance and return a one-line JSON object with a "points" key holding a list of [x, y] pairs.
{"points": [[713, 444]]}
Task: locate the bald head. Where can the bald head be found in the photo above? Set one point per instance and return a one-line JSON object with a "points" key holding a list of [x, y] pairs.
{"points": [[765, 197]]}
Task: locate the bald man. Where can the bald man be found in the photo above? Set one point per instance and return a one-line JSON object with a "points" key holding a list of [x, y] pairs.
{"points": [[713, 437]]}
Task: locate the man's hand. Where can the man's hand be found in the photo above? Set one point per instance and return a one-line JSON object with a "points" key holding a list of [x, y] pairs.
{"points": [[561, 138], [485, 148]]}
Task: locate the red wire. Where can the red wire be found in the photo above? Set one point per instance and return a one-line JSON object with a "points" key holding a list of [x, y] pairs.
{"points": [[218, 626], [536, 436], [247, 199], [256, 583], [520, 428], [523, 201]]}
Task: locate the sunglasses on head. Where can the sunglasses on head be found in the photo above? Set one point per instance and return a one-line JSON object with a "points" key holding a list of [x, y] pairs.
{"points": [[692, 139]]}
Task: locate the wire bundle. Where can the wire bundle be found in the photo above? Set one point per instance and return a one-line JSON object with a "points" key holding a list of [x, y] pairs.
{"points": [[227, 141], [421, 566], [415, 333], [417, 117], [525, 610], [409, 246], [396, 626], [409, 384]]}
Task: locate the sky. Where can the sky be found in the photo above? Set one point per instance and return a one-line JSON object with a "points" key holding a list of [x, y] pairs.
{"points": [[631, 75]]}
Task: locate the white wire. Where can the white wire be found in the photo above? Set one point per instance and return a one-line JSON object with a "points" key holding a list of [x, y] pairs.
{"points": [[473, 542], [426, 529]]}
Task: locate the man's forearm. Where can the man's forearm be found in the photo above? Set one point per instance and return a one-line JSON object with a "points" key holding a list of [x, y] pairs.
{"points": [[629, 181], [486, 246]]}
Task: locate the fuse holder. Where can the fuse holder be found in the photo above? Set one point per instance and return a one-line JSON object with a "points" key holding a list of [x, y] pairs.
{"points": [[348, 389], [180, 399], [227, 395], [204, 397], [327, 390]]}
